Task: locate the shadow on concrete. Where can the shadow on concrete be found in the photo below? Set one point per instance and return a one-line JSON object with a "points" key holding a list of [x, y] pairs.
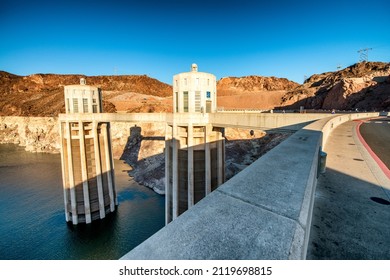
{"points": [[148, 171], [350, 219], [133, 145]]}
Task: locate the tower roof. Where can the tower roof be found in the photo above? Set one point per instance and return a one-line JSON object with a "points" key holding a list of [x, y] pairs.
{"points": [[194, 67]]}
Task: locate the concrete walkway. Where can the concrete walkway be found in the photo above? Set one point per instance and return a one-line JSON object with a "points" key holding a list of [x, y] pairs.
{"points": [[351, 216]]}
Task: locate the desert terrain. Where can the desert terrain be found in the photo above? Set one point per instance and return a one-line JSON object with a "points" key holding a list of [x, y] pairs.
{"points": [[362, 86]]}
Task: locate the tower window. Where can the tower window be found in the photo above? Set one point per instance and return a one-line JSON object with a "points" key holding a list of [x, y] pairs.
{"points": [[185, 101], [75, 105], [208, 106], [177, 102], [85, 105], [197, 102]]}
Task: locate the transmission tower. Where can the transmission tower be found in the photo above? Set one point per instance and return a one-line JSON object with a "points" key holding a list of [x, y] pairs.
{"points": [[364, 54]]}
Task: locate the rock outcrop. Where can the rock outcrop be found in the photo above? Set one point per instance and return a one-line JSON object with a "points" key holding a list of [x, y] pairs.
{"points": [[362, 86], [237, 85], [35, 134]]}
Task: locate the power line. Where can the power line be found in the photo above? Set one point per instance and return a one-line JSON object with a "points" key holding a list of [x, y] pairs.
{"points": [[364, 54]]}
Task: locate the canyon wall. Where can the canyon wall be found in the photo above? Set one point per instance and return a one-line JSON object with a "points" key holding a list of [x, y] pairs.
{"points": [[36, 134]]}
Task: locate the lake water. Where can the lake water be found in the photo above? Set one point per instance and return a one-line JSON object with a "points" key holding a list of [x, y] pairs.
{"points": [[32, 218]]}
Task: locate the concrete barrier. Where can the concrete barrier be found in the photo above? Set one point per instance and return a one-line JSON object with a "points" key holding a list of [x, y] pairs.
{"points": [[264, 121]]}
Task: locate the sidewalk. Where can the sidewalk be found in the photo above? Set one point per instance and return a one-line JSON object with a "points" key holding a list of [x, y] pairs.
{"points": [[351, 216]]}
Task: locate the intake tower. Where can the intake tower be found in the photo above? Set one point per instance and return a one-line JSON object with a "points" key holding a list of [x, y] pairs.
{"points": [[86, 157], [194, 148]]}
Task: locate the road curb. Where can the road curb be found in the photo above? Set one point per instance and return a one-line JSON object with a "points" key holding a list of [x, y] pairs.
{"points": [[380, 163]]}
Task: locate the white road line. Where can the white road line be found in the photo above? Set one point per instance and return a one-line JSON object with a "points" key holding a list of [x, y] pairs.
{"points": [[378, 122]]}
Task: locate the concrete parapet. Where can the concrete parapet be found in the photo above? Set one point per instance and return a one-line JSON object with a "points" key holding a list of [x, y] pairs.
{"points": [[226, 119], [264, 120], [264, 212], [326, 125]]}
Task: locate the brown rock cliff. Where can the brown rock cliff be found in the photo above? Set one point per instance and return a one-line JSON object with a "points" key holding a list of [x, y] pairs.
{"points": [[362, 86]]}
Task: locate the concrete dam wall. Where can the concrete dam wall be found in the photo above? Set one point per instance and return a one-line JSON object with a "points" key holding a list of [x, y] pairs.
{"points": [[264, 212]]}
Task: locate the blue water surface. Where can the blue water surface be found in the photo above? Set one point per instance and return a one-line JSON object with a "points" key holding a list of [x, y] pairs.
{"points": [[32, 219]]}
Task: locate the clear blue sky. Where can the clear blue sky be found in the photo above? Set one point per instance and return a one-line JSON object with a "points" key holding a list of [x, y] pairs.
{"points": [[279, 38]]}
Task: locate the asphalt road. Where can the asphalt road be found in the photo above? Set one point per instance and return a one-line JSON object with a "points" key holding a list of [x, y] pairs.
{"points": [[376, 133]]}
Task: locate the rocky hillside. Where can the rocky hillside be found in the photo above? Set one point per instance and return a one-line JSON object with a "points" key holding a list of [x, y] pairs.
{"points": [[362, 86], [43, 94], [234, 85], [252, 92]]}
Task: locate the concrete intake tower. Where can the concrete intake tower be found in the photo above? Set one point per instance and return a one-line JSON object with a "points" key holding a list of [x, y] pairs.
{"points": [[194, 148], [86, 157]]}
